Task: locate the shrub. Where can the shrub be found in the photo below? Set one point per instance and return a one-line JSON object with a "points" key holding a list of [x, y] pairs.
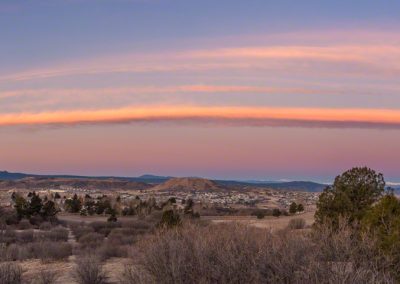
{"points": [[109, 250], [46, 277], [276, 212], [297, 223], [260, 214], [134, 275], [170, 219], [80, 230], [293, 208], [45, 226], [25, 236], [105, 227], [50, 251], [11, 252], [88, 270], [91, 240], [24, 225], [8, 236], [196, 215], [10, 273], [55, 235], [121, 236], [36, 220], [136, 224], [383, 220], [9, 217], [112, 217], [233, 253]]}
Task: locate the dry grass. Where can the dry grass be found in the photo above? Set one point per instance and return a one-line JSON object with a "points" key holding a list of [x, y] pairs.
{"points": [[269, 222], [233, 253], [45, 277], [89, 270], [228, 252], [10, 273], [297, 224]]}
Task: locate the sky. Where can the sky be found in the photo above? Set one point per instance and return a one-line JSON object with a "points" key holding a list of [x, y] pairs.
{"points": [[229, 89]]}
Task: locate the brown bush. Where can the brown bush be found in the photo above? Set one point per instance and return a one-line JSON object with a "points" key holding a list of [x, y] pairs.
{"points": [[24, 225], [8, 255], [57, 234], [122, 236], [91, 240], [25, 236], [139, 224], [88, 270], [104, 227], [45, 226], [51, 251], [45, 277], [109, 250], [8, 236], [240, 254], [134, 275], [80, 230], [10, 273], [297, 223]]}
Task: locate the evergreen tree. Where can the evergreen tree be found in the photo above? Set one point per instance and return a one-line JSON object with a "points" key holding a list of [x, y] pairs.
{"points": [[21, 206], [293, 208], [73, 205], [49, 210], [350, 196], [35, 204], [276, 212]]}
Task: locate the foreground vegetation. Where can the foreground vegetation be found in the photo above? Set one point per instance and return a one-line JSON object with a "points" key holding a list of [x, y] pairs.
{"points": [[355, 240]]}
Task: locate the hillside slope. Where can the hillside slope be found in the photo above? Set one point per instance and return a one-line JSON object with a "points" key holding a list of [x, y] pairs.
{"points": [[34, 183], [188, 184]]}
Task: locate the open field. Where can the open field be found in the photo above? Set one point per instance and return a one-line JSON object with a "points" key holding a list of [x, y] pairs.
{"points": [[269, 222], [113, 268]]}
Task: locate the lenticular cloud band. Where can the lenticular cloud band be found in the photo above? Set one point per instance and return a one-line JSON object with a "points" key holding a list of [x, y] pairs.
{"points": [[246, 116]]}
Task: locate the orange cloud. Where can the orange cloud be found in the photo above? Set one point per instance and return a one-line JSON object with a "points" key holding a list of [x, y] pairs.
{"points": [[261, 116], [163, 90]]}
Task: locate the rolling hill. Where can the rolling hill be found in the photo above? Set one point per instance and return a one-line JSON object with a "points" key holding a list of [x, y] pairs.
{"points": [[148, 181], [40, 183], [188, 184]]}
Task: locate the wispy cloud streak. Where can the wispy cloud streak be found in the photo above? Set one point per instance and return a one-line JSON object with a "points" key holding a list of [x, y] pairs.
{"points": [[371, 56], [245, 116]]}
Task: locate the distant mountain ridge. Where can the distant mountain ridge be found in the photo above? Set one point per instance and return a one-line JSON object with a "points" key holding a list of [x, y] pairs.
{"points": [[5, 175], [287, 185], [156, 180]]}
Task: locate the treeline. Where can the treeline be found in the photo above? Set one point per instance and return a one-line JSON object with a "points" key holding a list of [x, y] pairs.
{"points": [[32, 207]]}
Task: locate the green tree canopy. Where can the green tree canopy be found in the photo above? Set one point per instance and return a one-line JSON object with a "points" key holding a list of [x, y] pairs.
{"points": [[73, 205], [49, 209], [383, 221], [350, 196], [293, 208], [35, 204], [276, 212]]}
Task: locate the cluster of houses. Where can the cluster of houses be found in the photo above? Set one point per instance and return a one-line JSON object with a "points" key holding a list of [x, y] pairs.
{"points": [[264, 198]]}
